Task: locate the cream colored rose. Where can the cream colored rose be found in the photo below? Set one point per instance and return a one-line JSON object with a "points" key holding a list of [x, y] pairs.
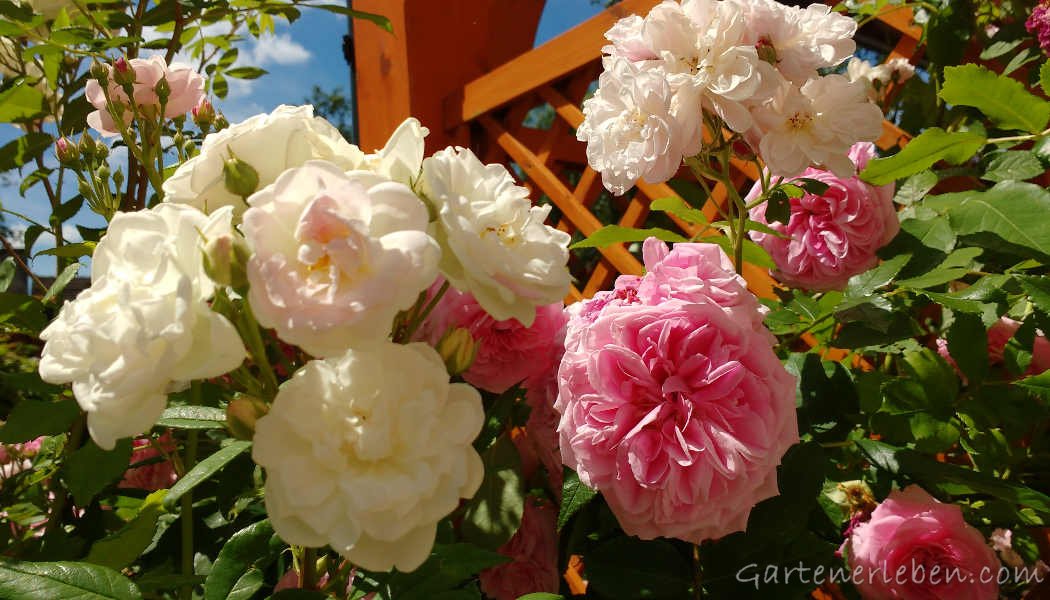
{"points": [[365, 459], [270, 143], [143, 328], [494, 242], [335, 256]]}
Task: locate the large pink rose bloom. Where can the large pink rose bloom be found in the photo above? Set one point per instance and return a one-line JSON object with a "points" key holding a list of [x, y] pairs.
{"points": [[186, 85], [672, 401], [916, 548], [834, 236], [534, 550], [508, 352]]}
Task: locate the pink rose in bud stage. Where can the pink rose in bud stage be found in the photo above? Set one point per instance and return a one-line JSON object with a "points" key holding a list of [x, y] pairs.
{"points": [[999, 335], [672, 401], [508, 352], [186, 85], [156, 475], [203, 112], [534, 550], [834, 236], [909, 537]]}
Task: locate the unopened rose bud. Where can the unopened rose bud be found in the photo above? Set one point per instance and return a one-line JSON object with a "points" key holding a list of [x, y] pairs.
{"points": [[66, 151], [87, 146], [226, 260], [221, 123], [123, 72], [162, 90], [241, 414], [240, 178], [103, 173], [101, 149], [100, 73], [458, 349], [203, 114]]}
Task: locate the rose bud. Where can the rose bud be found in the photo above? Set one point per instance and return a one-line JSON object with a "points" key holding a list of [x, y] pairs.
{"points": [[226, 261], [458, 350], [241, 414], [240, 178]]}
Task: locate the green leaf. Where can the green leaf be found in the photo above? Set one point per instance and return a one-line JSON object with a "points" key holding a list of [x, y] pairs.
{"points": [[923, 152], [1011, 217], [203, 470], [19, 103], [936, 377], [68, 580], [18, 152], [1016, 165], [245, 72], [753, 253], [626, 567], [90, 469], [678, 208], [493, 515], [22, 311], [916, 187], [778, 206], [447, 568], [120, 549], [933, 233], [379, 20], [61, 282], [70, 250], [1004, 100], [574, 496], [1038, 290], [248, 551], [1044, 77], [999, 48], [1037, 384], [193, 417], [7, 273], [964, 345], [958, 264], [614, 234], [860, 287], [31, 419]]}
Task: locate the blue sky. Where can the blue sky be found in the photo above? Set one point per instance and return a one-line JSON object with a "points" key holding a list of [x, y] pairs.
{"points": [[298, 56]]}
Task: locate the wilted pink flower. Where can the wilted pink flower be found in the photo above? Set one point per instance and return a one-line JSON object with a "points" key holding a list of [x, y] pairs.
{"points": [[999, 335], [534, 550], [1039, 23], [831, 237], [508, 352], [186, 89], [915, 547], [153, 476], [672, 401]]}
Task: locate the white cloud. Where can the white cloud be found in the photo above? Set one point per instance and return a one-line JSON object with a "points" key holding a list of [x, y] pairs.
{"points": [[278, 49]]}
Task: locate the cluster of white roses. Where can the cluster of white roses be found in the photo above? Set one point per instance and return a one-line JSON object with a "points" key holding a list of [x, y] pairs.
{"points": [[753, 66], [368, 446]]}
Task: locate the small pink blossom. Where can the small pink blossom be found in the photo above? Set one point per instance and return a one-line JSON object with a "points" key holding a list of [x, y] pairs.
{"points": [[15, 458], [672, 401], [508, 352], [186, 85], [834, 236], [999, 334], [909, 537], [1038, 22], [534, 550], [153, 476]]}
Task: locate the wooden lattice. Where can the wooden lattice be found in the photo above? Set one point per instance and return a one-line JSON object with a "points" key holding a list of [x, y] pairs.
{"points": [[494, 107]]}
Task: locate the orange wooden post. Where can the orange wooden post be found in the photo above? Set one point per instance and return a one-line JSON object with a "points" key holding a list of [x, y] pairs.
{"points": [[436, 48]]}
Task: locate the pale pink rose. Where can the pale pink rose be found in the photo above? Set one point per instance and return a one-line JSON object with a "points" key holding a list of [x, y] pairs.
{"points": [[999, 334], [834, 236], [909, 537], [15, 458], [672, 401], [534, 550], [186, 85], [155, 475], [507, 351]]}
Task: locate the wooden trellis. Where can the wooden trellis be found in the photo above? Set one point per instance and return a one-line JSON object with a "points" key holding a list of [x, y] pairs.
{"points": [[489, 113]]}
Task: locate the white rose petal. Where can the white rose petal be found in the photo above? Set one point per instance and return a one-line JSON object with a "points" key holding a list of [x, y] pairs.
{"points": [[366, 460], [494, 242]]}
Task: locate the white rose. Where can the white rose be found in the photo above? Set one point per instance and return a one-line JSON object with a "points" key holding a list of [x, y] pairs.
{"points": [[494, 242], [364, 459], [401, 158], [143, 328], [270, 143], [336, 255], [634, 128]]}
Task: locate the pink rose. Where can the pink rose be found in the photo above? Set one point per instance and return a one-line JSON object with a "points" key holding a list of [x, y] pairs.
{"points": [[834, 236], [157, 475], [186, 90], [508, 352], [999, 335], [672, 401], [915, 547], [534, 549]]}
